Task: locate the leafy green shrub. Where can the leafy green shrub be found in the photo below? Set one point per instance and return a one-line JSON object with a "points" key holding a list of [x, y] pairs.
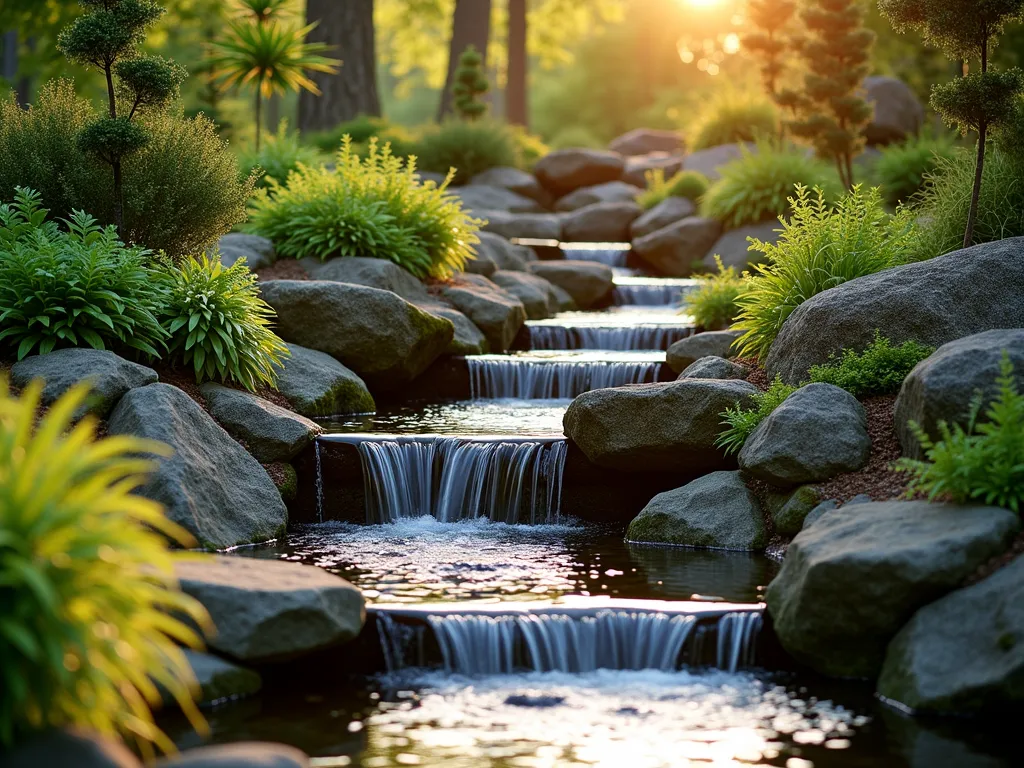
{"points": [[574, 136], [363, 128], [280, 155], [733, 118], [944, 204], [219, 325], [182, 191], [819, 248], [757, 186], [468, 147], [713, 305], [90, 615], [688, 184], [74, 288], [530, 148], [984, 462], [878, 370], [374, 208], [903, 169], [740, 422]]}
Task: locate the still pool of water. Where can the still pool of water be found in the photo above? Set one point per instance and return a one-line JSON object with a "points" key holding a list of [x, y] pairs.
{"points": [[461, 418]]}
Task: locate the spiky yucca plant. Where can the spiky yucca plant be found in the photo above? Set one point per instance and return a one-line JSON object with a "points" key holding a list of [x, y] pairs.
{"points": [[89, 609]]}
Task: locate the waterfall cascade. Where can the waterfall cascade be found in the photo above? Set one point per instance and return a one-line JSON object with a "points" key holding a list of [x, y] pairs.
{"points": [[650, 291], [547, 335], [612, 254], [500, 376]]}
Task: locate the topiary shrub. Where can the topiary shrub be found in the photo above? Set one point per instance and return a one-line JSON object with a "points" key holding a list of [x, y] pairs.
{"points": [[91, 619], [470, 86], [879, 370], [468, 147], [741, 422], [218, 324], [375, 208], [713, 306], [689, 184], [733, 118], [280, 155], [902, 170], [757, 186]]}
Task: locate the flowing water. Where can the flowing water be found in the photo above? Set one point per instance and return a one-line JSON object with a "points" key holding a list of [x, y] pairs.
{"points": [[651, 291], [548, 375], [524, 418], [616, 328]]}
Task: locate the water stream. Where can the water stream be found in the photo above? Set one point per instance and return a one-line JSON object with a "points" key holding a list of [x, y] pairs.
{"points": [[532, 376]]}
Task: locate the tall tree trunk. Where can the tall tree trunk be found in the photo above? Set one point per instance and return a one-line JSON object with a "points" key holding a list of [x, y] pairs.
{"points": [[347, 25], [979, 169], [471, 25], [516, 110]]}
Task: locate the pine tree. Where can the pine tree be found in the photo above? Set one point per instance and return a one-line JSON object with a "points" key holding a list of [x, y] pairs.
{"points": [[470, 85], [832, 112], [982, 101], [107, 37], [769, 41]]}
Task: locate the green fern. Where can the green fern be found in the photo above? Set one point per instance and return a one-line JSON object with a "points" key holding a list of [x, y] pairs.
{"points": [[740, 422]]}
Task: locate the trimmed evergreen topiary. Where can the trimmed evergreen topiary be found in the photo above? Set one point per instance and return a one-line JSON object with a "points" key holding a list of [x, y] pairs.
{"points": [[470, 85]]}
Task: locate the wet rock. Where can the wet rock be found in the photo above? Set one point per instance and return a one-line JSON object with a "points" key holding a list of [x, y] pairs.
{"points": [[587, 282], [498, 314], [964, 653], [270, 432], [669, 426], [534, 226], [210, 485], [70, 747], [315, 384], [468, 339], [243, 754], [933, 302], [373, 273], [535, 292], [942, 387], [640, 141], [818, 432], [258, 252], [268, 611], [790, 510], [852, 579], [709, 161], [481, 264], [668, 211], [637, 167], [109, 376], [481, 197], [716, 510], [675, 250], [600, 223], [376, 333], [515, 180], [219, 679], [564, 170], [898, 113], [733, 247], [539, 700], [564, 301], [686, 352], [609, 192], [712, 367], [504, 254]]}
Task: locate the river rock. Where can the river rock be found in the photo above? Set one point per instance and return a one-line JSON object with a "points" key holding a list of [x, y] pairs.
{"points": [[109, 376], [532, 226], [964, 653], [480, 264], [852, 579], [669, 426], [676, 249], [70, 748], [942, 387], [468, 339], [600, 223], [716, 510], [709, 161], [270, 432], [210, 485], [218, 679], [586, 281], [789, 510], [564, 170], [685, 352], [933, 302], [668, 211], [609, 192], [498, 314], [640, 141], [818, 432], [504, 254], [241, 754], [535, 292], [898, 113], [637, 167], [315, 384], [712, 367], [515, 180], [733, 247], [376, 333], [267, 611], [373, 273], [481, 197], [258, 252]]}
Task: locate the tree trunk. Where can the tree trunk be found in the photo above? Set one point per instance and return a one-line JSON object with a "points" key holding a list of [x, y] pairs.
{"points": [[471, 25], [972, 213], [515, 93], [347, 25]]}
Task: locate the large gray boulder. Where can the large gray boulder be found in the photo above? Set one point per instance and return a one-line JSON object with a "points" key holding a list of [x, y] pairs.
{"points": [[637, 167], [668, 211], [898, 113], [504, 254], [256, 251], [712, 367], [685, 352], [733, 247], [535, 292], [640, 141], [942, 387], [531, 226], [240, 754], [964, 653], [587, 282], [376, 333], [468, 339], [564, 170], [656, 427], [270, 432], [482, 197], [933, 302], [210, 486], [373, 273], [677, 249], [609, 192], [818, 432], [218, 679], [600, 223], [709, 161], [716, 510], [852, 579], [315, 384], [498, 314], [268, 611], [109, 376], [515, 180], [71, 747]]}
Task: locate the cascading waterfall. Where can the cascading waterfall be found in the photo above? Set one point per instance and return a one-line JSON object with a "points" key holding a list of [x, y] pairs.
{"points": [[503, 377], [737, 633], [454, 479], [547, 336], [319, 483], [650, 291], [613, 255]]}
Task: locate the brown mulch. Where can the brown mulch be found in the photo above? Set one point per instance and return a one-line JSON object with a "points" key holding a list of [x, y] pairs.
{"points": [[277, 473], [284, 269], [758, 376], [186, 382], [999, 561]]}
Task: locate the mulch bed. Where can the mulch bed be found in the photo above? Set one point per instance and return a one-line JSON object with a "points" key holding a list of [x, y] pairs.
{"points": [[758, 376], [285, 269]]}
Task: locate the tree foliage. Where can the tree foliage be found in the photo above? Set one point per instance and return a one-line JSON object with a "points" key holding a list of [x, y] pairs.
{"points": [[470, 85]]}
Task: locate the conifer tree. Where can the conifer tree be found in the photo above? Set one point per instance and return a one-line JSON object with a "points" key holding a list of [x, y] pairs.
{"points": [[769, 41], [966, 30], [107, 37], [470, 85]]}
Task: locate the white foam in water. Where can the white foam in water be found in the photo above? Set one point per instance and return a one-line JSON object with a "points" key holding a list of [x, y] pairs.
{"points": [[616, 337], [499, 376], [612, 254], [651, 291]]}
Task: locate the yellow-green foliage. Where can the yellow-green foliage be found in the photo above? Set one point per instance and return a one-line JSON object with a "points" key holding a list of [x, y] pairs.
{"points": [[689, 184], [468, 147], [280, 155], [733, 118], [713, 305], [88, 604]]}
